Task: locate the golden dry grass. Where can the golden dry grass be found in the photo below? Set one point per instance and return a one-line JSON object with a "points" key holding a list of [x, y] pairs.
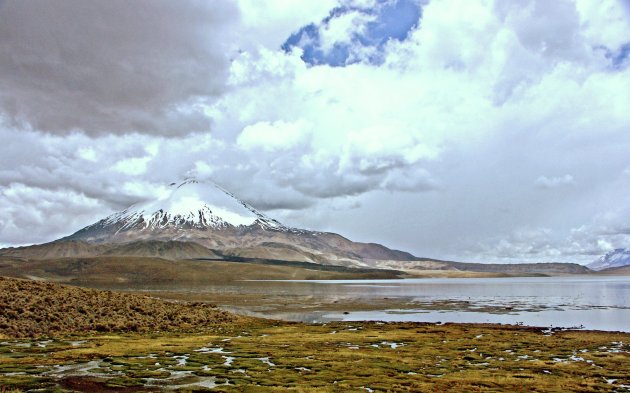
{"points": [[338, 357], [32, 309]]}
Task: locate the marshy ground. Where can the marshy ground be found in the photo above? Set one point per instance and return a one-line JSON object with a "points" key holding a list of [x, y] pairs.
{"points": [[261, 356], [220, 352]]}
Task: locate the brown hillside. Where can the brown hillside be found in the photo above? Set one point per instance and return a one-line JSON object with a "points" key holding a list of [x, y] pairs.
{"points": [[616, 271], [65, 249], [133, 273], [32, 309], [172, 250]]}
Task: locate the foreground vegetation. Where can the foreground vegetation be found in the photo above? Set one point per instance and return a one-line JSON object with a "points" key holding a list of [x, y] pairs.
{"points": [[32, 309], [260, 356], [243, 354]]}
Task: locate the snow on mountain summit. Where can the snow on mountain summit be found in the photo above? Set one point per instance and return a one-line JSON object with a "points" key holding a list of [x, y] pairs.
{"points": [[616, 258], [191, 204]]}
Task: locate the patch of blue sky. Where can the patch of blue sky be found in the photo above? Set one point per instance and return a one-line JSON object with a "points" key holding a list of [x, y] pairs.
{"points": [[620, 58], [392, 20]]}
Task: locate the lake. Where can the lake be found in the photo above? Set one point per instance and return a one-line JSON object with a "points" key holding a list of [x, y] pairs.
{"points": [[589, 302]]}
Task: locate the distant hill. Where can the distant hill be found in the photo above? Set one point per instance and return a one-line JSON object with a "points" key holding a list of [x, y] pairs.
{"points": [[616, 271], [522, 268], [551, 268]]}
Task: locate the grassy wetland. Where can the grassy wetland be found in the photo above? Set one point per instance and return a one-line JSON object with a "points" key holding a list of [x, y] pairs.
{"points": [[217, 351]]}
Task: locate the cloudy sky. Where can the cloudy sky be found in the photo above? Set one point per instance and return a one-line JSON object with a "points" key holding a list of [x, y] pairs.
{"points": [[469, 130]]}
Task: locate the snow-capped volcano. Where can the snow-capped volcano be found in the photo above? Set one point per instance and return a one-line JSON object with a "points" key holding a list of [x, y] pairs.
{"points": [[190, 205], [196, 216], [193, 204], [616, 258], [202, 221]]}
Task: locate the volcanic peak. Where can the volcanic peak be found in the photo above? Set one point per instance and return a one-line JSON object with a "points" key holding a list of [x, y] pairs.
{"points": [[191, 204]]}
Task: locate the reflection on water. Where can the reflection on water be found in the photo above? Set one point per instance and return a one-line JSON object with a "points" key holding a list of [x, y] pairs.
{"points": [[592, 302], [592, 319]]}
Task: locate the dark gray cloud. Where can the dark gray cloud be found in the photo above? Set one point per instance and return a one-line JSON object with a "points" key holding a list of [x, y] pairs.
{"points": [[64, 164], [112, 66], [616, 231], [34, 215]]}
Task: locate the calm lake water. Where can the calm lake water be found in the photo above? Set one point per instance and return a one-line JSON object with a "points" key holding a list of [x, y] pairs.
{"points": [[601, 303]]}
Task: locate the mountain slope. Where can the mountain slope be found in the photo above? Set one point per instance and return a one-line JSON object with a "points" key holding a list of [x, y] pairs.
{"points": [[173, 250], [616, 258], [56, 249], [206, 214], [202, 220]]}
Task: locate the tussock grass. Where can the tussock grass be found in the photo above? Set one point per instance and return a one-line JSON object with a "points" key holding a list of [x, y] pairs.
{"points": [[308, 358], [33, 309]]}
